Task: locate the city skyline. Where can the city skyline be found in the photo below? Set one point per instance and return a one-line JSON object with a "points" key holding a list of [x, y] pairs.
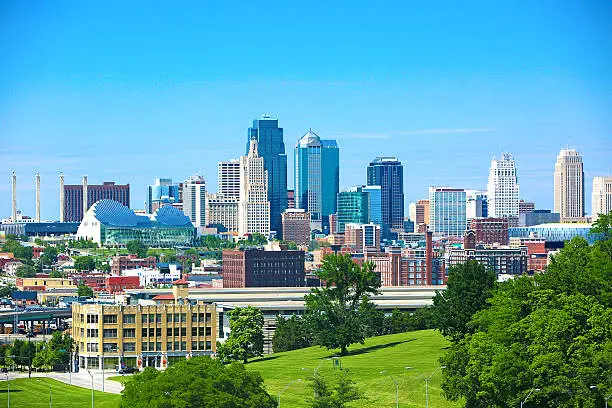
{"points": [[126, 101]]}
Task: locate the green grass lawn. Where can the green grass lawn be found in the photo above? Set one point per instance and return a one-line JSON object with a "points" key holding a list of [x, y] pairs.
{"points": [[34, 392], [419, 350]]}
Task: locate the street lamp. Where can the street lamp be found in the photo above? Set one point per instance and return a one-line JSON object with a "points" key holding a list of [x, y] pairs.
{"points": [[314, 374], [396, 388], [530, 392], [283, 390], [427, 386], [92, 387], [50, 394]]}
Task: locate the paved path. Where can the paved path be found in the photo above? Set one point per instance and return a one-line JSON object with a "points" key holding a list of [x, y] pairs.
{"points": [[80, 379]]}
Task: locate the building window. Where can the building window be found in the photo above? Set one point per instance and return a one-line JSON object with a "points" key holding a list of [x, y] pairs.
{"points": [[158, 331], [208, 331], [110, 347], [129, 332], [110, 333], [169, 332], [183, 345], [112, 319], [194, 331], [92, 347], [183, 331], [176, 332], [145, 332], [92, 332], [145, 318], [145, 346], [129, 319], [129, 347], [169, 346], [152, 331], [92, 318]]}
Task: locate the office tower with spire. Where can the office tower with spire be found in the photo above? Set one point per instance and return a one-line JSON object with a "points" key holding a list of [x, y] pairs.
{"points": [[569, 186], [388, 173], [503, 189], [194, 200], [271, 147], [601, 199], [253, 206], [317, 181]]}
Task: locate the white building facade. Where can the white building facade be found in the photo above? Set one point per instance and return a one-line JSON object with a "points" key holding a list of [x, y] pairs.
{"points": [[601, 199], [229, 178], [222, 210], [253, 206], [503, 189], [194, 200], [569, 186]]}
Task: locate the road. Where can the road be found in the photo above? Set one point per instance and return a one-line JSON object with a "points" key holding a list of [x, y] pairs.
{"points": [[80, 379]]}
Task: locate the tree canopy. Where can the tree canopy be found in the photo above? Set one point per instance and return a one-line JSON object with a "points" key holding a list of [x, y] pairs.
{"points": [[246, 335], [197, 382], [25, 271], [84, 263], [336, 392], [137, 247], [290, 334], [84, 291], [12, 244], [338, 314]]}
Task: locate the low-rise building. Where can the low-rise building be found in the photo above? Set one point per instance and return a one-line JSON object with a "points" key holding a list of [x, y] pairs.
{"points": [[44, 283], [490, 231], [362, 237], [118, 284], [163, 274], [296, 226], [123, 262], [258, 268]]}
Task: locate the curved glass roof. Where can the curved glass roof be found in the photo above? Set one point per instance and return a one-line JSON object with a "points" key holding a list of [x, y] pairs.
{"points": [[114, 214], [170, 216]]}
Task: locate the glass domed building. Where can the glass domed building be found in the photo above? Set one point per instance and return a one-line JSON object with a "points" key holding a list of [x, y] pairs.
{"points": [[111, 223]]}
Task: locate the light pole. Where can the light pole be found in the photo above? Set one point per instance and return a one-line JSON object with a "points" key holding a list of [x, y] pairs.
{"points": [[314, 374], [530, 392], [92, 386], [427, 386], [50, 394], [396, 388], [283, 390], [8, 383]]}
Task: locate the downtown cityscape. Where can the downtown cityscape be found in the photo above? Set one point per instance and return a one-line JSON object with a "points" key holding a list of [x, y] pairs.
{"points": [[248, 221]]}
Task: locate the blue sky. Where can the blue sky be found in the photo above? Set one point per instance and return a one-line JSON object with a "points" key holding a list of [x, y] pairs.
{"points": [[131, 92]]}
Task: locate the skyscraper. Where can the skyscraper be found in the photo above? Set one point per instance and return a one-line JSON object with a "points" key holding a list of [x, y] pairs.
{"points": [[447, 211], [73, 197], [316, 177], [503, 189], [569, 185], [375, 206], [161, 193], [388, 173], [271, 147], [194, 200], [253, 206], [353, 207], [602, 196], [229, 178]]}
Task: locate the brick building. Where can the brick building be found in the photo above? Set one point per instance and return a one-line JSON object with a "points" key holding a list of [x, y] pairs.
{"points": [[118, 284], [362, 237], [122, 262], [296, 226], [490, 231], [258, 268], [73, 204]]}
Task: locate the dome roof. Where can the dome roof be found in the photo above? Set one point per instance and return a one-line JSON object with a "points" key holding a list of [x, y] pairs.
{"points": [[113, 213], [167, 215]]}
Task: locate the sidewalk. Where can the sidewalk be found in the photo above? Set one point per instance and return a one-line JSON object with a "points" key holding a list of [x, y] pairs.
{"points": [[80, 379]]}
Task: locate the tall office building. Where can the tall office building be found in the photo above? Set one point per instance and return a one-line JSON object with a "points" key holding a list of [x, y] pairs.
{"points": [[222, 212], [503, 189], [161, 193], [476, 204], [253, 206], [447, 211], [317, 177], [194, 200], [229, 178], [601, 200], [569, 185], [388, 173], [353, 207], [375, 206], [271, 147], [73, 197]]}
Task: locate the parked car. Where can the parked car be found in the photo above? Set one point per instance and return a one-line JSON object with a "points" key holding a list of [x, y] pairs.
{"points": [[128, 370]]}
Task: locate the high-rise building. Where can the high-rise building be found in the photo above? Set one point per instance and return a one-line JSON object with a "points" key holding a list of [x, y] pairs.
{"points": [[316, 177], [353, 207], [447, 211], [422, 212], [222, 212], [569, 186], [362, 237], [161, 193], [194, 200], [601, 200], [476, 204], [503, 189], [73, 197], [388, 173], [296, 226], [375, 207], [271, 147], [229, 178], [526, 206], [254, 207], [291, 199]]}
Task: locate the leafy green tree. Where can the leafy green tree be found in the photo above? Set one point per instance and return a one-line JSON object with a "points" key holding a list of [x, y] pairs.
{"points": [[84, 291], [337, 393], [7, 291], [257, 239], [468, 288], [137, 247], [290, 334], [25, 271], [56, 274], [292, 246], [603, 225], [39, 241], [246, 335], [197, 382], [338, 314], [84, 263], [19, 251]]}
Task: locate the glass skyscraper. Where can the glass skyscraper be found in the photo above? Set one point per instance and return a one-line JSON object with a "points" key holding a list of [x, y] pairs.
{"points": [[316, 177], [353, 207], [388, 173], [447, 211], [271, 147], [375, 207], [161, 193]]}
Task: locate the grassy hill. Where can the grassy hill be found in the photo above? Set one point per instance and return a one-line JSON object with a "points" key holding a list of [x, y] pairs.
{"points": [[393, 353], [34, 392]]}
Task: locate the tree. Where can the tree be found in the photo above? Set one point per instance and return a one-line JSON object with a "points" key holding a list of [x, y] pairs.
{"points": [[292, 246], [338, 313], [7, 291], [246, 335], [468, 288], [334, 394], [137, 247], [290, 334], [84, 263], [603, 225], [84, 291], [56, 274], [197, 382], [25, 271]]}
